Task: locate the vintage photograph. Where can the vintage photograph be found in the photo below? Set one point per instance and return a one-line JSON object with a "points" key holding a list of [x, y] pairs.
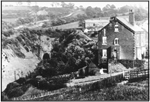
{"points": [[74, 51]]}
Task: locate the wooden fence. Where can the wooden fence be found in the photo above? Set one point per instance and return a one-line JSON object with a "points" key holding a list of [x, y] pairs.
{"points": [[136, 73]]}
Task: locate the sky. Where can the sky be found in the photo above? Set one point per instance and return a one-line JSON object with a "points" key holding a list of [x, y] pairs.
{"points": [[84, 4]]}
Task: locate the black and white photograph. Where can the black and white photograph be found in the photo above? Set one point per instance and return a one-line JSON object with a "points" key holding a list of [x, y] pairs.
{"points": [[74, 51]]}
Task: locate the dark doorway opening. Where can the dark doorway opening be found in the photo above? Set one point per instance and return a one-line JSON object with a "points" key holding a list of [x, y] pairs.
{"points": [[46, 56]]}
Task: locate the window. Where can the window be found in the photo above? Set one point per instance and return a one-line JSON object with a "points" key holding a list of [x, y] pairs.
{"points": [[110, 25], [104, 53], [116, 41], [104, 32], [104, 40], [116, 27]]}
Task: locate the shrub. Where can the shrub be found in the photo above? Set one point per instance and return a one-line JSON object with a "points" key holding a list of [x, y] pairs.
{"points": [[11, 86], [4, 97], [8, 33], [17, 91], [21, 80]]}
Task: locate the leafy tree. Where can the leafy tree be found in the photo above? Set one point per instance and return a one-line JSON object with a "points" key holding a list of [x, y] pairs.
{"points": [[107, 7], [123, 9], [90, 12]]}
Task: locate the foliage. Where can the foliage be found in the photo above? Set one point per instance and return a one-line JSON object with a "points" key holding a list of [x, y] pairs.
{"points": [[8, 33], [126, 92], [7, 26], [68, 55], [24, 20]]}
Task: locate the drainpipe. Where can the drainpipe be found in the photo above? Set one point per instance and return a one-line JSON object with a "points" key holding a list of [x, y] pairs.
{"points": [[133, 63], [15, 75]]}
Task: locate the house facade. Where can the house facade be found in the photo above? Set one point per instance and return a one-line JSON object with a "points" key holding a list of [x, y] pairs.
{"points": [[121, 39]]}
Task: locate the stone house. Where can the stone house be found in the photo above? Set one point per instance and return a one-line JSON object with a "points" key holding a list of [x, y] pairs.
{"points": [[121, 39]]}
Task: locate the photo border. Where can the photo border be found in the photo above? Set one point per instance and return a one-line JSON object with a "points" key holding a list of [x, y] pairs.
{"points": [[73, 1]]}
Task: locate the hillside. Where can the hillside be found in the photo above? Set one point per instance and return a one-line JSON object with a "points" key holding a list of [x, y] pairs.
{"points": [[75, 13], [19, 54]]}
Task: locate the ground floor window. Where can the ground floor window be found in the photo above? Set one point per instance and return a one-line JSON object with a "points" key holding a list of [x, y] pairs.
{"points": [[104, 53]]}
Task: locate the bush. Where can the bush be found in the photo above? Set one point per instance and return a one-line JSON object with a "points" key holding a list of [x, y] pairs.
{"points": [[8, 33], [11, 86], [21, 80], [17, 91], [4, 97]]}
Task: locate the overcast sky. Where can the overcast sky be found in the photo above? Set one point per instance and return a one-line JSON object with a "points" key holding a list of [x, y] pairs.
{"points": [[84, 4]]}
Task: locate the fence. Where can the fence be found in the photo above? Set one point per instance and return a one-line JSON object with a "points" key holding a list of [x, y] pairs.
{"points": [[95, 84], [131, 63], [136, 74], [104, 82]]}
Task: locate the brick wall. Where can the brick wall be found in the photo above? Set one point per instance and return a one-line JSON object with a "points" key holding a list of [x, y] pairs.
{"points": [[126, 41]]}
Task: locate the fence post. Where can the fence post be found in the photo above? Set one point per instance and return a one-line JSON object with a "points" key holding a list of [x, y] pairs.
{"points": [[145, 72], [137, 73]]}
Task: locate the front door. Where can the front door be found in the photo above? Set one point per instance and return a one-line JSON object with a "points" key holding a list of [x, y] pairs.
{"points": [[115, 52]]}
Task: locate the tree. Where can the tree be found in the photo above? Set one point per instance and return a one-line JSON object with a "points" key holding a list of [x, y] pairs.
{"points": [[106, 8], [113, 7], [90, 12], [71, 5], [63, 4], [124, 9], [35, 8], [109, 10], [140, 13], [98, 11]]}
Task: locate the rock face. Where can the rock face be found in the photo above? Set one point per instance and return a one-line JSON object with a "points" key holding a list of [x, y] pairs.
{"points": [[19, 55], [14, 67]]}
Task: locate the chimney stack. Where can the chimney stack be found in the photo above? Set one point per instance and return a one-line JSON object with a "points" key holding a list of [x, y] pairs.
{"points": [[131, 17]]}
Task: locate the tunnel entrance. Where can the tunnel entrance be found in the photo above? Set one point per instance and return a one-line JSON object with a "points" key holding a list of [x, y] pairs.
{"points": [[46, 56]]}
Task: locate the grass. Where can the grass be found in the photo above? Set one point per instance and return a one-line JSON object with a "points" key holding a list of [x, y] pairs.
{"points": [[10, 20], [130, 92], [67, 26]]}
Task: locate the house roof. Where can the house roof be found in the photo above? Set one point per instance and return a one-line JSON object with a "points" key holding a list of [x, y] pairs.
{"points": [[97, 22], [125, 21], [143, 24], [134, 27]]}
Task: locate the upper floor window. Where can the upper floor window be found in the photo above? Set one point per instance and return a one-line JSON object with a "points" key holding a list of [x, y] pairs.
{"points": [[104, 40], [104, 32], [116, 41], [104, 53], [116, 27]]}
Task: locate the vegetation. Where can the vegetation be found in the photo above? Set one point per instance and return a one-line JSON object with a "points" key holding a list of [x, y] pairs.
{"points": [[7, 26], [134, 92], [57, 15]]}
